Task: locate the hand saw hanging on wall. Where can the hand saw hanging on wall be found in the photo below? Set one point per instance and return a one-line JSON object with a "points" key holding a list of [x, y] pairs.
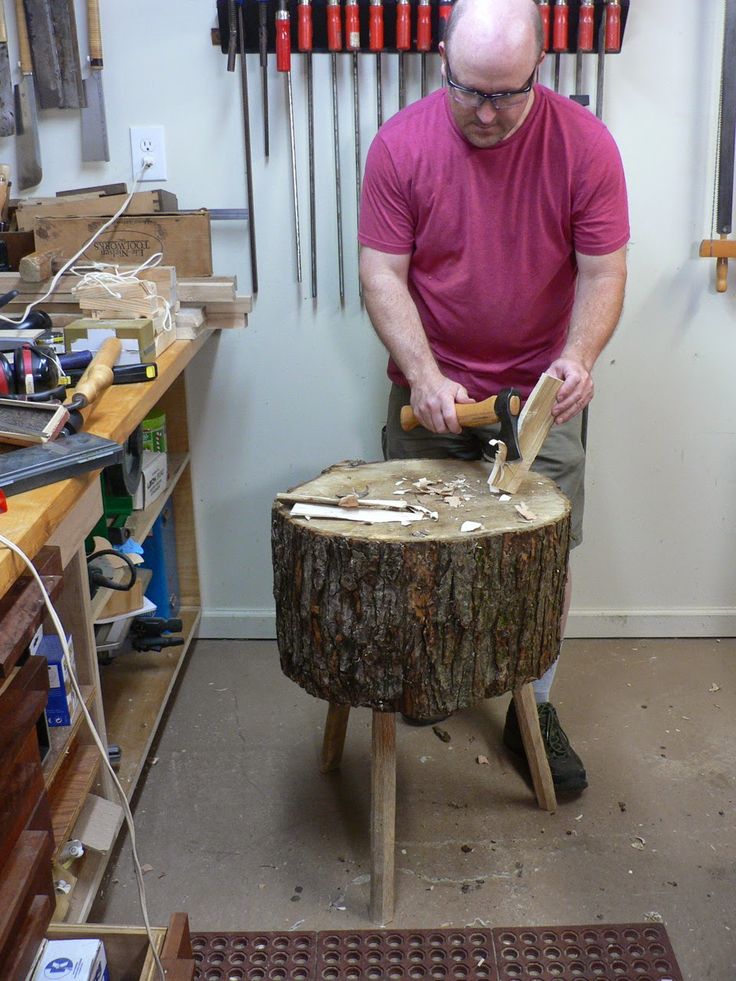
{"points": [[722, 249]]}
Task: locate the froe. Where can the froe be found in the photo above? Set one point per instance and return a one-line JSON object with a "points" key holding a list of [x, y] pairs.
{"points": [[503, 408]]}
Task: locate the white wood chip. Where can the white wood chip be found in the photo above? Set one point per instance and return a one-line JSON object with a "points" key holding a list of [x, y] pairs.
{"points": [[525, 511], [471, 526]]}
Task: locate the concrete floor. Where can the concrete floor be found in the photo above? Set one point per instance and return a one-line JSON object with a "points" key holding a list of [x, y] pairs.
{"points": [[243, 832]]}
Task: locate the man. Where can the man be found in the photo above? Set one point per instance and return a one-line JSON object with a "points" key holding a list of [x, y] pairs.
{"points": [[493, 229]]}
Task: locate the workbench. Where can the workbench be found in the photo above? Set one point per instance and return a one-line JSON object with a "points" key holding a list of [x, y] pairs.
{"points": [[127, 698]]}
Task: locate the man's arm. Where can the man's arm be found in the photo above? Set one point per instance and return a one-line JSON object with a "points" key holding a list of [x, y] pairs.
{"points": [[598, 301], [396, 320]]}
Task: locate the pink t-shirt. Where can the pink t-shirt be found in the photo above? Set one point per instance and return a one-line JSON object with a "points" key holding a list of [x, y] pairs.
{"points": [[493, 232]]}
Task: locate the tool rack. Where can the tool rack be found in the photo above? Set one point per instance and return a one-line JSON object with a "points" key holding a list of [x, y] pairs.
{"points": [[250, 18]]}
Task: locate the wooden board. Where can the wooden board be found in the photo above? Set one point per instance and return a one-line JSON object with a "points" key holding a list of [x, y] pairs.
{"points": [[136, 688], [69, 791]]}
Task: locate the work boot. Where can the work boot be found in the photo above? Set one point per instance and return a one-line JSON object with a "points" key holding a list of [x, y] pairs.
{"points": [[568, 772]]}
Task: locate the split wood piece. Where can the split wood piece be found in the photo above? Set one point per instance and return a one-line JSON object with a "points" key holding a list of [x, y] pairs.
{"points": [[241, 304], [420, 621], [333, 742], [531, 736], [383, 816], [535, 423], [39, 266]]}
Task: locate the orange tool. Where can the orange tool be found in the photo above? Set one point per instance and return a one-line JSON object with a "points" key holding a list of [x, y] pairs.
{"points": [[586, 36], [403, 42], [283, 64], [613, 26], [375, 29], [424, 38]]}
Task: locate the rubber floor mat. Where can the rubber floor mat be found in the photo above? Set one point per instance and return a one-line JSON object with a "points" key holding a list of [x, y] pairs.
{"points": [[615, 952]]}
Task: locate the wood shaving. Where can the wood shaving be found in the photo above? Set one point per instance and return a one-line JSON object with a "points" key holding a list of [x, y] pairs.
{"points": [[483, 760], [470, 526], [714, 687], [348, 501], [525, 511], [454, 502]]}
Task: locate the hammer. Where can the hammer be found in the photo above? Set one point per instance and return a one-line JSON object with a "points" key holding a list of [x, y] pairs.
{"points": [[503, 408]]}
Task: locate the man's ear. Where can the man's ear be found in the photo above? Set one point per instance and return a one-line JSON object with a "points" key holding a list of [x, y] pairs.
{"points": [[542, 56], [441, 49]]}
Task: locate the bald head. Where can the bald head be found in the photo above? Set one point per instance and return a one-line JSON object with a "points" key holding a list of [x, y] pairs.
{"points": [[497, 33]]}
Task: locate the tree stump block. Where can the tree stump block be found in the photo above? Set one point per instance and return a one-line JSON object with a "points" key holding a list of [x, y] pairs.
{"points": [[423, 618]]}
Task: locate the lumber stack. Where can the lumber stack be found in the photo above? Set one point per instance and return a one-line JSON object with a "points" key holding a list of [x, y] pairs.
{"points": [[210, 302]]}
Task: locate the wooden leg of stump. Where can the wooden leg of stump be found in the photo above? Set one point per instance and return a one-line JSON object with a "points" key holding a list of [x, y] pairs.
{"points": [[334, 738], [383, 816], [531, 735]]}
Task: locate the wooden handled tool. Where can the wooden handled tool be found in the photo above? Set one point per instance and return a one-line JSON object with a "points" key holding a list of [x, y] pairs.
{"points": [[470, 414], [99, 375], [503, 408]]}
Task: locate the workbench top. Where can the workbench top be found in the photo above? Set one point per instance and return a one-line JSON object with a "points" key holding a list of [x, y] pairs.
{"points": [[34, 517]]}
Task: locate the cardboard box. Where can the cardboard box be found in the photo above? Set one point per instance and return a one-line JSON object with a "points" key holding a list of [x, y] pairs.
{"points": [[184, 239], [153, 480], [62, 706], [72, 960]]}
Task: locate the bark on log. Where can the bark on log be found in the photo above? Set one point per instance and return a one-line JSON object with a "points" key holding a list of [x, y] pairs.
{"points": [[422, 618]]}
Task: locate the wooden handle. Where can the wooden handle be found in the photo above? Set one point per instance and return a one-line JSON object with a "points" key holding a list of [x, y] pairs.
{"points": [[98, 376], [721, 275], [3, 25], [94, 33], [468, 414], [24, 47]]}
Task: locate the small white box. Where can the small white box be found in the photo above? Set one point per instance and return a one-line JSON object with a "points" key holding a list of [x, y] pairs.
{"points": [[72, 960], [153, 479]]}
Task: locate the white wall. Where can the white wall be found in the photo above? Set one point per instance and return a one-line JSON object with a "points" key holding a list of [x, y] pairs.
{"points": [[304, 386]]}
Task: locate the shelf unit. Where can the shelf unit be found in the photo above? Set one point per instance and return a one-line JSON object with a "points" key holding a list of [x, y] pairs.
{"points": [[127, 698]]}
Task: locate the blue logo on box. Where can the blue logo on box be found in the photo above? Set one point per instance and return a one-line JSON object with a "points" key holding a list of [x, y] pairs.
{"points": [[60, 968]]}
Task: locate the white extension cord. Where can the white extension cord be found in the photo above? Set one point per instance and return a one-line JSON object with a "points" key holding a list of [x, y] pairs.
{"points": [[98, 742]]}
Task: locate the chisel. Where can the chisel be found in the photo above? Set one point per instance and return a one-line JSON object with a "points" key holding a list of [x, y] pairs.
{"points": [[559, 36], [352, 44], [248, 155], [334, 44], [7, 116], [305, 35], [95, 143], [263, 59], [28, 148], [375, 29], [586, 16], [403, 42], [283, 64], [424, 40]]}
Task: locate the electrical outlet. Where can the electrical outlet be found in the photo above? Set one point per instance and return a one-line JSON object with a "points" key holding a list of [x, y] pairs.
{"points": [[147, 143]]}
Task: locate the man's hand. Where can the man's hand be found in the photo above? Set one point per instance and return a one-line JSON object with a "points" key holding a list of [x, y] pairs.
{"points": [[576, 390], [434, 401]]}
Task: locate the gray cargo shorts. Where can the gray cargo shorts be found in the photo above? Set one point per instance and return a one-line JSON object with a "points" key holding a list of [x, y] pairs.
{"points": [[561, 458]]}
